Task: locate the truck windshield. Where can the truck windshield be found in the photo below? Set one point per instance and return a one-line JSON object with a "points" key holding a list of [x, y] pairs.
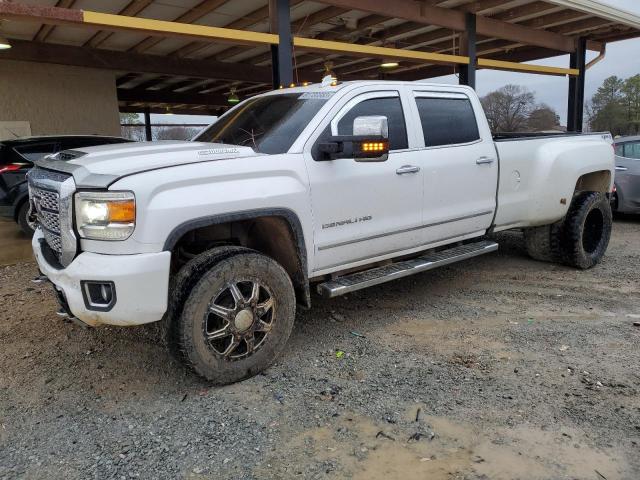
{"points": [[267, 124]]}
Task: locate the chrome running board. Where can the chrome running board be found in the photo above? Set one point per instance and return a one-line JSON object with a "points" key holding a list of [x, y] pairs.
{"points": [[386, 273]]}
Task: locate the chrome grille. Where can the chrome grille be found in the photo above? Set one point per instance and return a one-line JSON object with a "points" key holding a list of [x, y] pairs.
{"points": [[54, 241], [47, 209], [50, 195]]}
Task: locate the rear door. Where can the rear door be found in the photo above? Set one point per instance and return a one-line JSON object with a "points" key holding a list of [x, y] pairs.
{"points": [[460, 166], [364, 210]]}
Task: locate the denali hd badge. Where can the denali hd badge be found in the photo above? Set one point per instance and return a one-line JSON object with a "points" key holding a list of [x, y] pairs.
{"points": [[348, 221], [218, 151]]}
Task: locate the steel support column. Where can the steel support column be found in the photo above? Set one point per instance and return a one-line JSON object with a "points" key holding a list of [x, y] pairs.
{"points": [[468, 48], [575, 110], [147, 124], [281, 54]]}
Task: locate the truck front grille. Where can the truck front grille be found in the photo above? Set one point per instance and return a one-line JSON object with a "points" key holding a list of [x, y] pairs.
{"points": [[47, 206], [50, 195]]}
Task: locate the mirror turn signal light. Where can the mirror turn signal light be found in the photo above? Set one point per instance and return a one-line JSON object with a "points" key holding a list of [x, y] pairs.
{"points": [[374, 147]]}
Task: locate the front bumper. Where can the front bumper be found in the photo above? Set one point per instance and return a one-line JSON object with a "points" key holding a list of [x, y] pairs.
{"points": [[141, 283]]}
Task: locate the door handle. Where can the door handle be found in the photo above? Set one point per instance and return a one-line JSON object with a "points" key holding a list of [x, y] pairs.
{"points": [[407, 169], [621, 169], [484, 160]]}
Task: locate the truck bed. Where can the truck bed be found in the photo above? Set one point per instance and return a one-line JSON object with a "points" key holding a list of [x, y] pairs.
{"points": [[539, 171]]}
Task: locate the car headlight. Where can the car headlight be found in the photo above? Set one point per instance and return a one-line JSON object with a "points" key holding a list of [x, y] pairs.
{"points": [[105, 215]]}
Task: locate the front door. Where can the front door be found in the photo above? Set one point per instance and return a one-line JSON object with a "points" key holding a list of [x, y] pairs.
{"points": [[365, 210]]}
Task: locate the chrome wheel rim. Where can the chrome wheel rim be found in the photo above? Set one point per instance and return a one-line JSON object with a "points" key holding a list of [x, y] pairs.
{"points": [[31, 219], [239, 319]]}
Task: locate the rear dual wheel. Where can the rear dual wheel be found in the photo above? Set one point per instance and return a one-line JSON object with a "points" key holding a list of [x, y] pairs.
{"points": [[581, 239], [232, 313], [587, 230]]}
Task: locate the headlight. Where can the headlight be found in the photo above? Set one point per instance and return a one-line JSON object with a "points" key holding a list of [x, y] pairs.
{"points": [[105, 215]]}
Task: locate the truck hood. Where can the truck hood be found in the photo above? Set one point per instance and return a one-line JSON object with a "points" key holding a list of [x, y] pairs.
{"points": [[102, 165]]}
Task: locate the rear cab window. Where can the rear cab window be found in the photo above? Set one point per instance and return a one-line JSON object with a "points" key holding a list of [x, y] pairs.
{"points": [[446, 119]]}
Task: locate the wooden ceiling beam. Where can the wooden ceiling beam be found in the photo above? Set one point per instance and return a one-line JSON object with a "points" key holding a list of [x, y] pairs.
{"points": [[203, 8], [247, 20], [333, 34], [133, 62], [455, 20], [126, 78], [152, 82], [440, 34], [140, 108], [45, 30], [132, 9], [154, 96], [312, 19]]}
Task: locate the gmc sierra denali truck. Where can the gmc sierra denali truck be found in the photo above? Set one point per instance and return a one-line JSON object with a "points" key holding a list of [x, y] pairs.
{"points": [[335, 186]]}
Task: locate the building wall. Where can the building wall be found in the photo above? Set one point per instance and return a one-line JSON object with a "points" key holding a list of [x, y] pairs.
{"points": [[58, 99]]}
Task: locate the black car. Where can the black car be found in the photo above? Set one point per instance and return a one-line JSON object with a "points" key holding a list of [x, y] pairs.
{"points": [[17, 157]]}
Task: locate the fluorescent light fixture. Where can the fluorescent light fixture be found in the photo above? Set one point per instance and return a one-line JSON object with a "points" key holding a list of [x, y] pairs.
{"points": [[389, 63], [4, 43], [233, 97]]}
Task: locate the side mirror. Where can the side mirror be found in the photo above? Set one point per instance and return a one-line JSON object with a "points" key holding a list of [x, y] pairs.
{"points": [[372, 125], [369, 142]]}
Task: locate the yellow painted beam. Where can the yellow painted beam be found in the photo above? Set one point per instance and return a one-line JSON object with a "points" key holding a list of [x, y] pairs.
{"points": [[525, 67], [161, 27], [371, 51]]}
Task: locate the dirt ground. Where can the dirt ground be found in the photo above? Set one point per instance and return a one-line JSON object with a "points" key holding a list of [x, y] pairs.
{"points": [[15, 244], [497, 368]]}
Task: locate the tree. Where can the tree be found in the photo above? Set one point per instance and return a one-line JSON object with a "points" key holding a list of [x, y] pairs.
{"points": [[129, 117], [508, 108], [132, 133], [606, 111], [631, 92], [175, 133], [543, 118], [513, 108], [615, 107]]}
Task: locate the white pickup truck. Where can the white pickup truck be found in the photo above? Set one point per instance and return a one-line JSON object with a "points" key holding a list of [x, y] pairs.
{"points": [[339, 187]]}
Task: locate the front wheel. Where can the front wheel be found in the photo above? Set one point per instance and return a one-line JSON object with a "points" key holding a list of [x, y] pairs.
{"points": [[587, 230], [233, 313], [25, 221]]}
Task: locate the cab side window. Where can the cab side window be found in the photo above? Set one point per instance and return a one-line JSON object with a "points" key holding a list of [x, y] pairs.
{"points": [[447, 121], [389, 107]]}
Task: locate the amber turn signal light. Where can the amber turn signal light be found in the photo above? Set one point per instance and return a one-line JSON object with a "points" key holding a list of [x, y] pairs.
{"points": [[374, 147], [122, 212]]}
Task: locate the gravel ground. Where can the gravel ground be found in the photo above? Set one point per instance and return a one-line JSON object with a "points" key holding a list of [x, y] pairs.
{"points": [[497, 368]]}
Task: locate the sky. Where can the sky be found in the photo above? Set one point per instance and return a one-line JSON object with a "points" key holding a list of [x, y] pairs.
{"points": [[622, 59]]}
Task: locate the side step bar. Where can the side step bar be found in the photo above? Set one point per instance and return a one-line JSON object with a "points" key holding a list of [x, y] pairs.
{"points": [[386, 273]]}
